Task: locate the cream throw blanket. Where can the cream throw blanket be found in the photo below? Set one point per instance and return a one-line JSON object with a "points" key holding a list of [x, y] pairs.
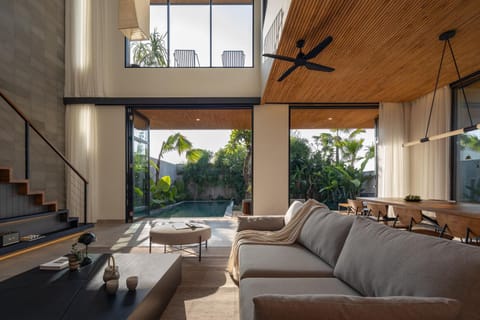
{"points": [[285, 236]]}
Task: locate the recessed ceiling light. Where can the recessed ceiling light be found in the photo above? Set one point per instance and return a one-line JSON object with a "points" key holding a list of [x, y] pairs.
{"points": [[198, 119], [330, 118]]}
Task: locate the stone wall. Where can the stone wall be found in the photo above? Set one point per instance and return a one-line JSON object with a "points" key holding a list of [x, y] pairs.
{"points": [[32, 40]]}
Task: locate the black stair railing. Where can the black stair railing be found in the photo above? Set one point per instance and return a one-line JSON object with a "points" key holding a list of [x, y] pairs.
{"points": [[28, 126]]}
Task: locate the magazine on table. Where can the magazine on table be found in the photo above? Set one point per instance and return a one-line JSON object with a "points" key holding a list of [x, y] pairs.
{"points": [[180, 225], [56, 264]]}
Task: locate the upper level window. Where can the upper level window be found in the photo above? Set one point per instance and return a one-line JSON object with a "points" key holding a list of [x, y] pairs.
{"points": [[196, 33]]}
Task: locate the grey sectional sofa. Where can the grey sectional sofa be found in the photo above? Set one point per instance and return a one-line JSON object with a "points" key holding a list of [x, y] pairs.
{"points": [[346, 267]]}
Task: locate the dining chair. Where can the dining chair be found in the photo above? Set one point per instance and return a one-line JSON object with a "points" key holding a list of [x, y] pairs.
{"points": [[379, 212], [355, 207], [467, 229], [412, 220]]}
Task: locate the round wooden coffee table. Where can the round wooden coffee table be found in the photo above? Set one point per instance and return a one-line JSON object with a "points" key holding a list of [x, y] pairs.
{"points": [[177, 234]]}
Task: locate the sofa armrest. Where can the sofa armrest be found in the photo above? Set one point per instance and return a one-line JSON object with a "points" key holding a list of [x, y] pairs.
{"points": [[262, 223], [342, 307]]}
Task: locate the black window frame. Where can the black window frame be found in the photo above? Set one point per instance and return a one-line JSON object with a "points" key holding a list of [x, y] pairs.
{"points": [[168, 4], [455, 88]]}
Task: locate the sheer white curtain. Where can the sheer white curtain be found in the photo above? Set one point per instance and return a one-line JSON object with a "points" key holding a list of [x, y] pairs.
{"points": [[84, 30], [393, 170], [430, 162], [81, 137]]}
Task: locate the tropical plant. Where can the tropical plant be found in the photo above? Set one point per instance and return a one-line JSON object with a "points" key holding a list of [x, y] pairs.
{"points": [[162, 192], [243, 138], [180, 143], [333, 171], [150, 53], [471, 142], [300, 166], [200, 174], [230, 161]]}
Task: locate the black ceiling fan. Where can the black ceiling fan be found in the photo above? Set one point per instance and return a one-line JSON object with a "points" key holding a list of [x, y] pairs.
{"points": [[302, 59]]}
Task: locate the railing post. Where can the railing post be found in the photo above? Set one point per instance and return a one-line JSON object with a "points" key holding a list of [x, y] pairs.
{"points": [[85, 202], [27, 150]]}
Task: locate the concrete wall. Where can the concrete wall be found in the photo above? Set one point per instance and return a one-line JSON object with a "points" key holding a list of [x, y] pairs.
{"points": [[110, 198], [270, 159], [32, 76], [175, 82]]}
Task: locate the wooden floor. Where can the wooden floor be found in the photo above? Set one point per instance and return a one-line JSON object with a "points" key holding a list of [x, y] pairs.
{"points": [[206, 290]]}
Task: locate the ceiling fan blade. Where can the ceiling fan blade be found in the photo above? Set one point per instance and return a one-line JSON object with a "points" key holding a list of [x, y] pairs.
{"points": [[318, 67], [276, 56], [322, 45], [286, 73]]}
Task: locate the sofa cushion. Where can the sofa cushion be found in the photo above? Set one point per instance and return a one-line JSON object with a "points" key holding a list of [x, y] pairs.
{"points": [[324, 234], [257, 260], [261, 223], [292, 210], [378, 261], [340, 307], [252, 287]]}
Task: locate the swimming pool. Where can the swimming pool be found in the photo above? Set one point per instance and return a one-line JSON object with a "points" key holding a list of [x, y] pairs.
{"points": [[197, 209]]}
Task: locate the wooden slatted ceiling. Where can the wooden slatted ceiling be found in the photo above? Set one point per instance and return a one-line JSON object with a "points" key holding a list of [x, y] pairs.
{"points": [[207, 119], [300, 118], [382, 50], [342, 118]]}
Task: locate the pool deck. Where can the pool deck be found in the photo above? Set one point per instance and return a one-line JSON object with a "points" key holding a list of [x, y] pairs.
{"points": [[121, 237]]}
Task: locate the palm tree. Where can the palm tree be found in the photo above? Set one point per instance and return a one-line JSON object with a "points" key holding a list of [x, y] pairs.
{"points": [[176, 142], [152, 53], [351, 147]]}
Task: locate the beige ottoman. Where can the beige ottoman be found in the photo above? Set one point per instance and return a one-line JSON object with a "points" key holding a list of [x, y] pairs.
{"points": [[173, 235]]}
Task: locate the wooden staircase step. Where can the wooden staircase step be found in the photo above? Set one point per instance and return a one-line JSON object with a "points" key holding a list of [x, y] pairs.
{"points": [[18, 181], [5, 174], [24, 189], [52, 205]]}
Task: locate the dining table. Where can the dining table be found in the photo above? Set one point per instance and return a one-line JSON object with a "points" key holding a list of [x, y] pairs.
{"points": [[461, 219]]}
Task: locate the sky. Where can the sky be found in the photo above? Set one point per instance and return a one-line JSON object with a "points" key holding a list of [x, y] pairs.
{"points": [[213, 140]]}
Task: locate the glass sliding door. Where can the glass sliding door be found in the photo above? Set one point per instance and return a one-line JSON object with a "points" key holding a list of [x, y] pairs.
{"points": [[332, 152], [466, 147], [138, 184]]}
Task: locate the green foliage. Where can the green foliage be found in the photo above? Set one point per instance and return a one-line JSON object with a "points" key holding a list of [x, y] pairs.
{"points": [[151, 53], [243, 138], [331, 173], [224, 168], [230, 162], [162, 192], [200, 174], [471, 142]]}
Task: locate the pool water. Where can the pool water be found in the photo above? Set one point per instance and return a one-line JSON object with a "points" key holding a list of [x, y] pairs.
{"points": [[217, 208]]}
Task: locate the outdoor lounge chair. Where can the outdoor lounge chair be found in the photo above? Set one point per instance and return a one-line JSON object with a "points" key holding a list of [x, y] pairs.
{"points": [[186, 58], [233, 58]]}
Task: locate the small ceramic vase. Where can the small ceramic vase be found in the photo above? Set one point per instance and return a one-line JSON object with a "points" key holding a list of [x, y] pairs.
{"points": [[111, 270], [111, 286], [73, 263], [132, 283]]}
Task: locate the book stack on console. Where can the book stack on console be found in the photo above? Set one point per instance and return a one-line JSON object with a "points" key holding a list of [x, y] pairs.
{"points": [[56, 264]]}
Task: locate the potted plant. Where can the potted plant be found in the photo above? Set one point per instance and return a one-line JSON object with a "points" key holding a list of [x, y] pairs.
{"points": [[74, 258]]}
